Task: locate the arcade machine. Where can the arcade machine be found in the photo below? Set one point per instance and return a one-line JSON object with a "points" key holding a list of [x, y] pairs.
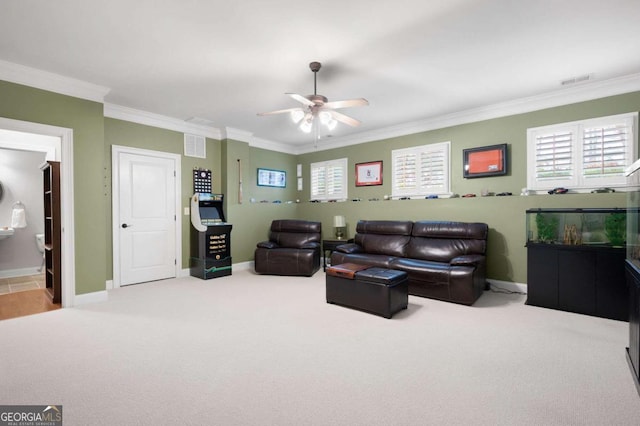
{"points": [[210, 233]]}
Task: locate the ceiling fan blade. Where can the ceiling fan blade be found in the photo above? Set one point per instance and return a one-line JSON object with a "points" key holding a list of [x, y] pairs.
{"points": [[301, 99], [344, 118], [280, 111], [347, 103]]}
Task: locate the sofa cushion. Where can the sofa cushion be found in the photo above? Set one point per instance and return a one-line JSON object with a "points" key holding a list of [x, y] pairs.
{"points": [[379, 260], [434, 229], [384, 227], [423, 270], [287, 261], [293, 225], [294, 233], [387, 237], [443, 241]]}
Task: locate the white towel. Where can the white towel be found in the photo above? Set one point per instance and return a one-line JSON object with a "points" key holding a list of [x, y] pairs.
{"points": [[18, 218]]}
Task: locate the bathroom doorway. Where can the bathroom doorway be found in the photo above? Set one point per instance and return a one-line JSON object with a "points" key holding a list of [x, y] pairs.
{"points": [[51, 143]]}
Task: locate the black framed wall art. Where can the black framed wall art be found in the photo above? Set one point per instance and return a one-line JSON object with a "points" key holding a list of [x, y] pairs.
{"points": [[275, 178], [485, 161]]}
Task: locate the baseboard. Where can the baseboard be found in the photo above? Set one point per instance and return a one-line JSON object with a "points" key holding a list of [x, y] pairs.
{"points": [[244, 266], [10, 273], [508, 285], [87, 298]]}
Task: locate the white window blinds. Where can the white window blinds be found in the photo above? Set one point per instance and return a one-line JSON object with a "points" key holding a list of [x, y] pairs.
{"points": [[605, 150], [554, 156], [329, 180], [581, 155], [421, 171]]}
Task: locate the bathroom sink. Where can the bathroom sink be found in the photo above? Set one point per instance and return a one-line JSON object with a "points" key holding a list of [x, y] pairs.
{"points": [[6, 232]]}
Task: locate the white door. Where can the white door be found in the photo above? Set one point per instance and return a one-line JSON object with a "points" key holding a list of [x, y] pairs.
{"points": [[147, 218]]}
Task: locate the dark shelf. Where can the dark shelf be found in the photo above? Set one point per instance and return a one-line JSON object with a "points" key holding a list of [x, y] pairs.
{"points": [[53, 229]]}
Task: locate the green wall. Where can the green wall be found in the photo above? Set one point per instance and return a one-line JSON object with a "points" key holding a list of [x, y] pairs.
{"points": [[124, 133], [94, 136], [86, 119], [251, 220], [504, 215]]}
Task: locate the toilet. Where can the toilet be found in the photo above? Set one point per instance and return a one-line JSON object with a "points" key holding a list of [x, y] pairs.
{"points": [[40, 243]]}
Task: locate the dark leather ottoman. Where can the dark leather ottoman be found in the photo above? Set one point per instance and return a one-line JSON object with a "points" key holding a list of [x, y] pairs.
{"points": [[378, 291]]}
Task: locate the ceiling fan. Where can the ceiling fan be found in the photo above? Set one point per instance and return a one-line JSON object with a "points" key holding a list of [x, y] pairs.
{"points": [[318, 106]]}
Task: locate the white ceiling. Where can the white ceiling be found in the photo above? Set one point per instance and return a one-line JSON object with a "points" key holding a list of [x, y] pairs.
{"points": [[414, 60]]}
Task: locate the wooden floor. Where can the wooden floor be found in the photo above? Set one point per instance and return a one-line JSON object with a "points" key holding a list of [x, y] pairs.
{"points": [[27, 302]]}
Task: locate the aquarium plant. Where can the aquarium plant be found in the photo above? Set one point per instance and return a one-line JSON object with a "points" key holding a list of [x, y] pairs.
{"points": [[547, 227], [615, 228]]}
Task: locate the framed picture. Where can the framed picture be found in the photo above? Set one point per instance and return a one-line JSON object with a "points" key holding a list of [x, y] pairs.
{"points": [[485, 161], [275, 178], [369, 174]]}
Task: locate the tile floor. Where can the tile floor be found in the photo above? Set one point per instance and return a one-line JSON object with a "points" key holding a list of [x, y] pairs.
{"points": [[17, 284]]}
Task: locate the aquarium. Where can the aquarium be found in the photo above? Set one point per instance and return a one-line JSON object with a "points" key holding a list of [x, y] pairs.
{"points": [[588, 226], [633, 229]]}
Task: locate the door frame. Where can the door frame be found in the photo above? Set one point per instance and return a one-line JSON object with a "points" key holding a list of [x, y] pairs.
{"points": [[64, 154], [116, 150]]}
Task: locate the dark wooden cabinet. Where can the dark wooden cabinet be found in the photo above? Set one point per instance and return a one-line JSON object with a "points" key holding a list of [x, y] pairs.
{"points": [[52, 229], [633, 351], [578, 278]]}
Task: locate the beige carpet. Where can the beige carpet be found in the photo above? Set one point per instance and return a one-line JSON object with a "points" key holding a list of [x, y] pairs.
{"points": [[265, 350]]}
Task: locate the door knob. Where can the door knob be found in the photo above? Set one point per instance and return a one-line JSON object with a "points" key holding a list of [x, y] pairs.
{"points": [[124, 225]]}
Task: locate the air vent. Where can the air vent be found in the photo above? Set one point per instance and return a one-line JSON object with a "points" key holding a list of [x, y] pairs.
{"points": [[575, 80], [194, 146]]}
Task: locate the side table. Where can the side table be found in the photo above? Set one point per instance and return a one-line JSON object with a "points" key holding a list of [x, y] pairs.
{"points": [[330, 246]]}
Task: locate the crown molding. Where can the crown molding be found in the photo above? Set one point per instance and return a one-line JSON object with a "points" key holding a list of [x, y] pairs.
{"points": [[273, 146], [161, 121], [27, 76], [581, 93], [235, 134], [244, 136]]}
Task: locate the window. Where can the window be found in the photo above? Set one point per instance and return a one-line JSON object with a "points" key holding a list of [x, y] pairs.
{"points": [[329, 180], [421, 171], [584, 155]]}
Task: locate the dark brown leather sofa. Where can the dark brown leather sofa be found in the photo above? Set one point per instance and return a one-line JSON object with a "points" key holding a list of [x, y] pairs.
{"points": [[443, 260], [293, 249]]}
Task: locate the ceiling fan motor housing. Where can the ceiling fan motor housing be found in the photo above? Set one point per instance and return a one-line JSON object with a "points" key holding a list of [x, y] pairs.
{"points": [[319, 100]]}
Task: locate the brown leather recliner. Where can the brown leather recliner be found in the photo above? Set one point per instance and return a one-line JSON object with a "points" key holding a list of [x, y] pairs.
{"points": [[293, 249]]}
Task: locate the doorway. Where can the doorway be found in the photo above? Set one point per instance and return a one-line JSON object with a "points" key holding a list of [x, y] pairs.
{"points": [[147, 236], [57, 143]]}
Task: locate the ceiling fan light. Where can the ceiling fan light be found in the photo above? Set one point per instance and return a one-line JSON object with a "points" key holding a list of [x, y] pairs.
{"points": [[331, 124], [325, 117], [306, 126], [296, 116]]}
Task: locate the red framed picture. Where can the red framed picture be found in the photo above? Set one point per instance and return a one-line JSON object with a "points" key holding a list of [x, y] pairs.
{"points": [[369, 174], [485, 161]]}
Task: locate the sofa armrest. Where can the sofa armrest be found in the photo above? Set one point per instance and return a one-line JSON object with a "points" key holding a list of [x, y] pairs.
{"points": [[349, 248], [310, 245], [468, 260], [267, 245]]}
